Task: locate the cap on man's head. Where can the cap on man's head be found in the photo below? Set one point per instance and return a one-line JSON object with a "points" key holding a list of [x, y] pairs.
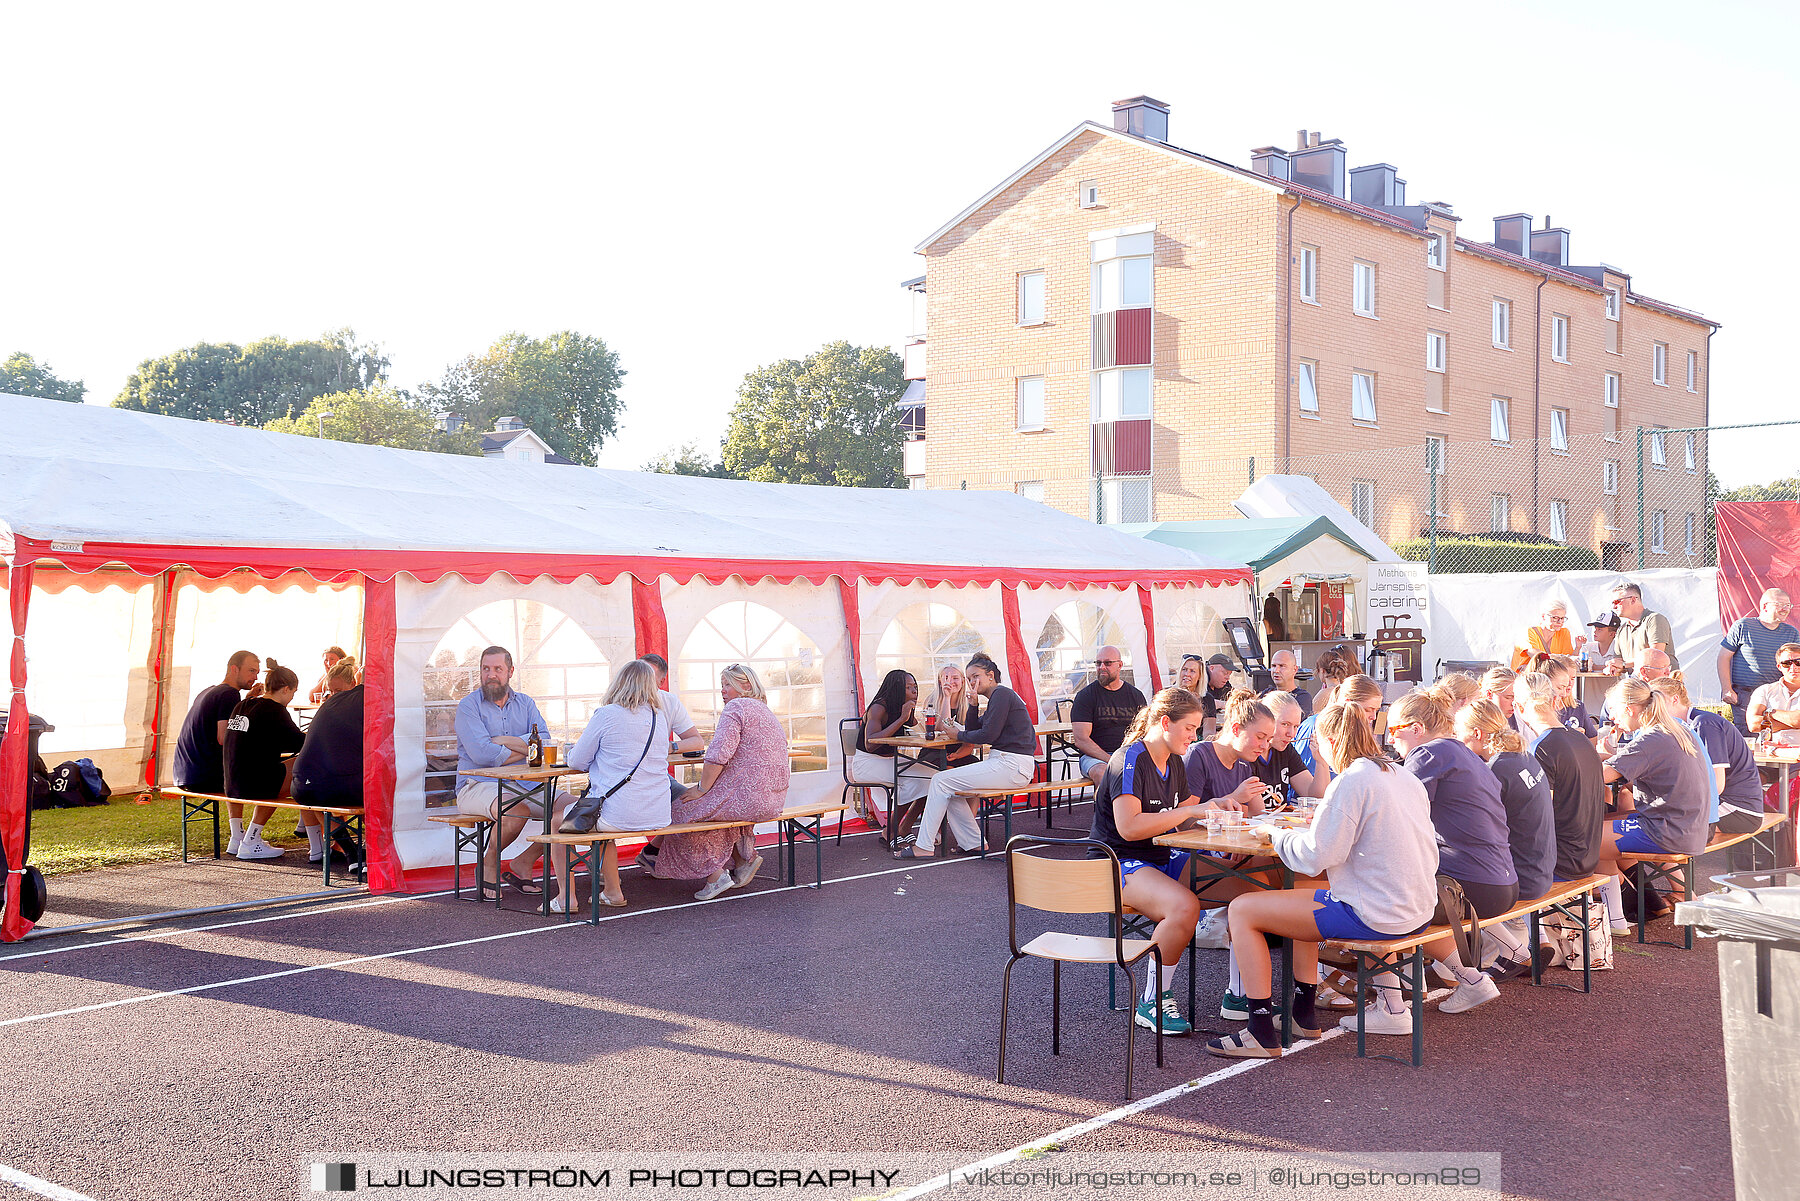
{"points": [[1220, 661], [1607, 620]]}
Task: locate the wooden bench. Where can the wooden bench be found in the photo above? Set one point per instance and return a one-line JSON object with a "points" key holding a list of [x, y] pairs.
{"points": [[200, 807], [797, 822], [990, 802], [470, 831], [1375, 953], [1680, 868]]}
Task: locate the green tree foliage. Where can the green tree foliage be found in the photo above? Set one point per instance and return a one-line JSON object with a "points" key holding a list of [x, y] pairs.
{"points": [[687, 460], [254, 384], [377, 416], [565, 387], [22, 375], [826, 419], [1787, 489]]}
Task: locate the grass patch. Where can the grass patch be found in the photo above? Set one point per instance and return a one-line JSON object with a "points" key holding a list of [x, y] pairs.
{"points": [[121, 832]]}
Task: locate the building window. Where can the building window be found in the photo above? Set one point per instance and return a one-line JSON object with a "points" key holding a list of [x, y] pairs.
{"points": [[1559, 520], [912, 422], [1031, 402], [1688, 533], [1309, 274], [1124, 498], [1659, 449], [1362, 397], [1503, 324], [1122, 283], [1693, 371], [1437, 350], [1031, 490], [1559, 339], [1362, 501], [1088, 193], [1692, 448], [1365, 289], [1609, 477], [1499, 428], [1559, 430], [1658, 543], [1309, 387], [1613, 302], [1434, 251], [1121, 395], [1659, 364], [1612, 390], [916, 483], [1031, 298], [1499, 513], [1434, 454]]}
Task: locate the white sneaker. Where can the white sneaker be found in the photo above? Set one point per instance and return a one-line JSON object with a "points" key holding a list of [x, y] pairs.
{"points": [[715, 887], [743, 873], [256, 848], [232, 844], [1377, 1020], [1467, 996]]}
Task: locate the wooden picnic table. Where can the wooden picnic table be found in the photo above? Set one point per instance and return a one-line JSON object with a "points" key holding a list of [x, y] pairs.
{"points": [[516, 785], [1782, 759]]}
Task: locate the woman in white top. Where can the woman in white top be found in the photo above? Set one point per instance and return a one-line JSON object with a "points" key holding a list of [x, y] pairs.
{"points": [[612, 751]]}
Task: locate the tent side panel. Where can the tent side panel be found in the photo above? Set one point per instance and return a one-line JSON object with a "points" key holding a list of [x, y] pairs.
{"points": [[648, 620], [15, 798], [1150, 665], [378, 735], [1018, 659]]}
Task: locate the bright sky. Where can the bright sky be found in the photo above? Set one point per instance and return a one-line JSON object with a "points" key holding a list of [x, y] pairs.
{"points": [[711, 189]]}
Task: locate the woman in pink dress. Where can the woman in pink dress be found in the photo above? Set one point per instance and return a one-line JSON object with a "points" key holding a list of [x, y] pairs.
{"points": [[745, 778]]}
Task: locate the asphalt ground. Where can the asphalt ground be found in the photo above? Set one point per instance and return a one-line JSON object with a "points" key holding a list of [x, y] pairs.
{"points": [[213, 1056]]}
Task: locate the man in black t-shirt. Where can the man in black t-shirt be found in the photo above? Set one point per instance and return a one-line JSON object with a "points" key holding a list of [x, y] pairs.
{"points": [[1102, 712], [199, 749]]}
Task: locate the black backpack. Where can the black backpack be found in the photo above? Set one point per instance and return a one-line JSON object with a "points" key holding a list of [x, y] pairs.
{"points": [[72, 785], [38, 787]]}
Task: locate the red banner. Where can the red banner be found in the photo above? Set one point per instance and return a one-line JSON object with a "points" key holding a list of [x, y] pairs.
{"points": [[1759, 549]]}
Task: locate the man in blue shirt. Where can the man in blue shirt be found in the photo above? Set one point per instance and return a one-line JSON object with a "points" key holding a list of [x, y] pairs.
{"points": [[492, 725], [1747, 653]]}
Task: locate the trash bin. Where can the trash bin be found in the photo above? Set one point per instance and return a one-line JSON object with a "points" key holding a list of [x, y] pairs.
{"points": [[36, 730], [1756, 918]]}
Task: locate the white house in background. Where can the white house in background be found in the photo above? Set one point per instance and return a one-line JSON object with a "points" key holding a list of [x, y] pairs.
{"points": [[512, 439]]}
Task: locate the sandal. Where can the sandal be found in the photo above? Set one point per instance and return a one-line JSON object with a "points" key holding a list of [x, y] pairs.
{"points": [[909, 852], [1330, 998], [1242, 1045], [530, 888], [606, 900]]}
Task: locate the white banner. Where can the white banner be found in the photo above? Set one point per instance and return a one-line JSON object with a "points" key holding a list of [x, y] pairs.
{"points": [[1397, 615]]}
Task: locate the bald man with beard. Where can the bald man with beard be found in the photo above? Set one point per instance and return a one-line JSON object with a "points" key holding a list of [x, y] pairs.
{"points": [[1103, 711]]}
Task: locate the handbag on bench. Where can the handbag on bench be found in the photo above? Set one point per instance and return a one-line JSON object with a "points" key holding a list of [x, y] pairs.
{"points": [[584, 814]]}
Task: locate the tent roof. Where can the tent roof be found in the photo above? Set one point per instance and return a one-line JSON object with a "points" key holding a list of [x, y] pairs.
{"points": [[1301, 496], [1258, 541], [109, 485]]}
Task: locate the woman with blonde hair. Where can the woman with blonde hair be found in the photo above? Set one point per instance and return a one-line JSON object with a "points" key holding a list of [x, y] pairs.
{"points": [[745, 779], [1356, 690], [1577, 783], [1456, 689], [1373, 838], [1553, 636], [1530, 822], [1667, 773], [1733, 763], [624, 751], [342, 676], [1569, 711], [1497, 687]]}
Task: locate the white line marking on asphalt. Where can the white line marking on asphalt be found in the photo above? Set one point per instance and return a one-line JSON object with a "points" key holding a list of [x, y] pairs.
{"points": [[1120, 1114], [466, 942], [42, 1188]]}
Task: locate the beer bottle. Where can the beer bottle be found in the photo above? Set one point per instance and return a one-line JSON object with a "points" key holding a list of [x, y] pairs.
{"points": [[534, 748]]}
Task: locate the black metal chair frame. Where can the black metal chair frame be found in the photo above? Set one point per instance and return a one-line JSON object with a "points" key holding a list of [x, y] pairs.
{"points": [[846, 753], [1013, 846]]}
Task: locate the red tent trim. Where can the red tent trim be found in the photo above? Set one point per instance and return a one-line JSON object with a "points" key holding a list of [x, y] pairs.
{"points": [[380, 631], [650, 626], [15, 760], [1149, 639]]}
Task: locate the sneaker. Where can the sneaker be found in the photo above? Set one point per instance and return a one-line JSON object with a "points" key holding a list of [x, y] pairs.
{"points": [[1467, 996], [256, 848], [1234, 1008], [1173, 1024], [1378, 1020], [1506, 969], [232, 844], [714, 888], [743, 873]]}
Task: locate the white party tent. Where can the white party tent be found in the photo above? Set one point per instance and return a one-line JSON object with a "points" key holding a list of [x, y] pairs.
{"points": [[143, 550]]}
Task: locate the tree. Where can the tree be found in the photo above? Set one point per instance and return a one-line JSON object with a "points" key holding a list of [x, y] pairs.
{"points": [[829, 418], [377, 416], [23, 375], [688, 459], [565, 387], [254, 384]]}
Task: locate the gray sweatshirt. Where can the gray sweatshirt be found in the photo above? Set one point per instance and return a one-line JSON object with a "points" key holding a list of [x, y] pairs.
{"points": [[1373, 839]]}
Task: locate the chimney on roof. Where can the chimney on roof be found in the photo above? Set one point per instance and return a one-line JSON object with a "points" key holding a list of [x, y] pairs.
{"points": [[506, 424], [1142, 117], [1299, 139], [1321, 165], [1267, 160], [1378, 185], [1512, 233]]}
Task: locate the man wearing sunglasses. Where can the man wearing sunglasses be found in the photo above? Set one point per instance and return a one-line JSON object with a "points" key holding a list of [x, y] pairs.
{"points": [[1749, 653], [1640, 627], [1776, 706], [1102, 712]]}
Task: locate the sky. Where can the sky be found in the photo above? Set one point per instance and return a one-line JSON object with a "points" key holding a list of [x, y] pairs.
{"points": [[710, 189]]}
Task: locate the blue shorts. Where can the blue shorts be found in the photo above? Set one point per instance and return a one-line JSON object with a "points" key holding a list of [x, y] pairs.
{"points": [[1634, 839], [1338, 920], [1089, 763], [1172, 869]]}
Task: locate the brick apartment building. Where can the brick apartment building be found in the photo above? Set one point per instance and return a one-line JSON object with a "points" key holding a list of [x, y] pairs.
{"points": [[1128, 331]]}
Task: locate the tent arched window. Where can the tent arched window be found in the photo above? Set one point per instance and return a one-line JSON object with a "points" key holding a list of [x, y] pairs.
{"points": [[923, 639], [1192, 627], [555, 663], [1066, 647], [780, 653]]}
